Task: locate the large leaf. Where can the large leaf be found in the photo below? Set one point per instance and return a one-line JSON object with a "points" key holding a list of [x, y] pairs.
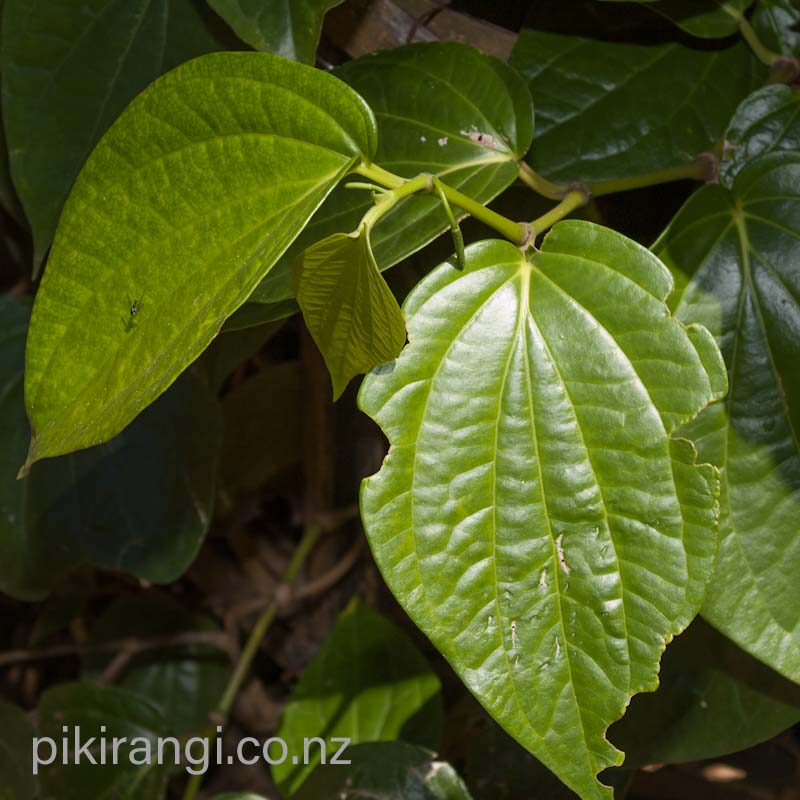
{"points": [[777, 23], [767, 120], [533, 515], [367, 683], [16, 762], [289, 28], [442, 108], [389, 771], [125, 714], [182, 208], [734, 254], [348, 308], [611, 109], [141, 503], [712, 699], [68, 71]]}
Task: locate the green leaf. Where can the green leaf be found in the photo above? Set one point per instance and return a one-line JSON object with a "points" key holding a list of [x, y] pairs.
{"points": [[289, 28], [367, 683], [184, 682], [388, 770], [68, 71], [350, 311], [431, 102], [766, 121], [125, 714], [777, 23], [238, 796], [141, 503], [185, 204], [533, 515], [707, 19], [16, 762], [712, 699], [608, 109], [734, 254]]}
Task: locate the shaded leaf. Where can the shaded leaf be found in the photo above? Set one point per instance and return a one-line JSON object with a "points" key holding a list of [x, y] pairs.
{"points": [[712, 699], [533, 516], [124, 714], [182, 208], [350, 311], [141, 503], [767, 120], [367, 683], [16, 762], [289, 28], [68, 71], [777, 23], [442, 108], [389, 770], [612, 109], [734, 254]]}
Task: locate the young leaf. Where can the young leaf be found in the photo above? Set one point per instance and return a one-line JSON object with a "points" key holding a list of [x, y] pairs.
{"points": [[68, 71], [348, 308], [182, 208], [600, 105], [288, 28], [533, 515], [389, 771], [367, 683], [767, 120], [442, 108], [734, 254]]}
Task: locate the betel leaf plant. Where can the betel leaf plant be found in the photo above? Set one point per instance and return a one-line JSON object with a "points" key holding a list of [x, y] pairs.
{"points": [[592, 440]]}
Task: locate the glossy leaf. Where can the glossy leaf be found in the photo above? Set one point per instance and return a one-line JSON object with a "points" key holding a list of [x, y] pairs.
{"points": [[141, 503], [734, 254], [767, 120], [68, 71], [533, 515], [238, 796], [289, 28], [350, 311], [125, 714], [389, 770], [712, 699], [707, 19], [442, 108], [611, 109], [777, 23], [182, 208], [367, 683], [16, 762]]}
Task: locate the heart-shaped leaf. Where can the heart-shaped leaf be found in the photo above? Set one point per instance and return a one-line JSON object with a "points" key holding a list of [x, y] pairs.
{"points": [[442, 108], [182, 208], [289, 28], [608, 109], [348, 308], [68, 71], [767, 120], [367, 683], [533, 515], [734, 254]]}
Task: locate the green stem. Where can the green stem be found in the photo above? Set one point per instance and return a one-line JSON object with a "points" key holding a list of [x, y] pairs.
{"points": [[762, 53], [539, 184], [572, 201], [515, 231], [260, 629]]}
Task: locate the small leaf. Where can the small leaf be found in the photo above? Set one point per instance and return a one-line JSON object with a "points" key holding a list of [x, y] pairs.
{"points": [[181, 210], [125, 714], [16, 762], [777, 23], [288, 28], [388, 770], [734, 254], [348, 308], [367, 683], [68, 71], [712, 699], [533, 515], [767, 120], [442, 108], [608, 109]]}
